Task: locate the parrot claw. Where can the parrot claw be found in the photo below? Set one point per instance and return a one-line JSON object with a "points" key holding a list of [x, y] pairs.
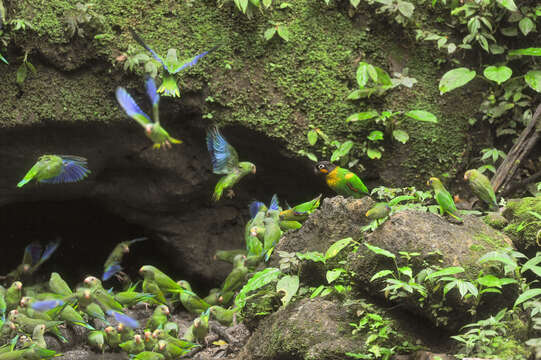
{"points": [[230, 194]]}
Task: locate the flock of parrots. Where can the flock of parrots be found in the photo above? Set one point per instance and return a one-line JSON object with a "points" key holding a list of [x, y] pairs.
{"points": [[27, 313]]}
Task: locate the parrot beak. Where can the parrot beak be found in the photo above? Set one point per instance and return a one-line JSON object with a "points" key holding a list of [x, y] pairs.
{"points": [[253, 170], [120, 327], [18, 285], [108, 329], [162, 346], [141, 270], [466, 176], [167, 312]]}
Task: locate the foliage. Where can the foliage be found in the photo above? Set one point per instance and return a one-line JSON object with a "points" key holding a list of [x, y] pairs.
{"points": [[83, 14], [24, 69], [248, 7]]}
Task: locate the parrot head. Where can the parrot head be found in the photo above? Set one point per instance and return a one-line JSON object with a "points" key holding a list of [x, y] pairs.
{"points": [[433, 181], [148, 336], [26, 268], [120, 327], [468, 174], [324, 167], [162, 344], [18, 285], [24, 301], [157, 333], [197, 323], [247, 167], [184, 284], [148, 128], [125, 248], [137, 338], [146, 272], [110, 330], [163, 309]]}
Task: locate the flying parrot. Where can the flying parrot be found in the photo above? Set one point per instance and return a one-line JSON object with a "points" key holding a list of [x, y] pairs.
{"points": [[56, 169], [225, 161], [171, 65], [112, 264], [342, 181], [481, 187], [378, 211], [300, 212], [153, 130], [443, 198]]}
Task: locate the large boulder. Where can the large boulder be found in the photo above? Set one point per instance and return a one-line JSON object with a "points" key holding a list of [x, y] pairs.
{"points": [[524, 226]]}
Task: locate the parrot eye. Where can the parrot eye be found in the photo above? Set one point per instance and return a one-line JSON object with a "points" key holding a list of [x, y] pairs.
{"points": [[321, 166]]}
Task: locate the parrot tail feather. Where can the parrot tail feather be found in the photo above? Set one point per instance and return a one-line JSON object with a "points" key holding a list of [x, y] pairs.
{"points": [[23, 182], [175, 141], [456, 217]]}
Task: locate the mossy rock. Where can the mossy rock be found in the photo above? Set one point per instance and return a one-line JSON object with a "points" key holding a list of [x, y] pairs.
{"points": [[524, 226], [496, 220]]}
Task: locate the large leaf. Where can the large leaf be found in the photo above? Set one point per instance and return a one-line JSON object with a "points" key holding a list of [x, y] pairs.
{"points": [[401, 136], [533, 79], [334, 274], [527, 295], [283, 32], [362, 116], [373, 153], [288, 285], [269, 33], [312, 137], [455, 78], [445, 272], [528, 52], [257, 281], [375, 135], [380, 251], [362, 74], [498, 74], [421, 115], [526, 25], [405, 8], [508, 4], [335, 248]]}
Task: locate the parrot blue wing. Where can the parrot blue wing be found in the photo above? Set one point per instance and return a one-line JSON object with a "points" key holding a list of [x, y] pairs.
{"points": [[137, 38], [223, 156], [194, 60], [49, 250], [32, 253], [74, 170], [274, 203], [130, 107], [254, 208], [110, 271], [124, 319], [152, 91], [46, 305]]}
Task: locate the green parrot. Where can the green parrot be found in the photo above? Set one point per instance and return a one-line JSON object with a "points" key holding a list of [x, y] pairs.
{"points": [[170, 351], [101, 296], [13, 295], [236, 277], [94, 311], [134, 346], [148, 355], [224, 316], [171, 328], [25, 307], [160, 334], [158, 318], [213, 297], [34, 256], [171, 65], [32, 353], [165, 283], [286, 225], [28, 324], [37, 336], [112, 264], [191, 302], [443, 198], [153, 130], [59, 286], [225, 161], [69, 314], [56, 169], [96, 340], [228, 255], [149, 340], [150, 286], [201, 327], [342, 181], [272, 234], [379, 211], [300, 212], [126, 333], [112, 337], [481, 187], [130, 297]]}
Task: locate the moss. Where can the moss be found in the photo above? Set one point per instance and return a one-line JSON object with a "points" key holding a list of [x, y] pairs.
{"points": [[524, 226], [495, 220]]}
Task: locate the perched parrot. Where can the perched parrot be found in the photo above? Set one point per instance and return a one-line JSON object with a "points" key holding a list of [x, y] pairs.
{"points": [[37, 336], [378, 211], [443, 198], [213, 297], [171, 65], [191, 302], [272, 234], [149, 355], [197, 331], [166, 284], [96, 340], [225, 161], [224, 316], [342, 181], [236, 277], [126, 332], [159, 334], [28, 324], [289, 225], [149, 340], [112, 337], [158, 318], [56, 169], [153, 130], [112, 264], [59, 286], [13, 295], [171, 328], [130, 297], [300, 212], [150, 286], [134, 346], [169, 350], [228, 255], [481, 187]]}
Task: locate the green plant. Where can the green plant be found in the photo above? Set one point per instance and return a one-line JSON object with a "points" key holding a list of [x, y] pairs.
{"points": [[81, 15], [24, 69], [20, 24], [277, 28], [248, 7], [340, 150], [490, 155]]}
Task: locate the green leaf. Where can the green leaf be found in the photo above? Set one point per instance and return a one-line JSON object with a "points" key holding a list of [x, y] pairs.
{"points": [[31, 67], [354, 95], [362, 116], [22, 73], [312, 137], [257, 281], [445, 272], [375, 135], [526, 25], [311, 156], [498, 256], [334, 274], [421, 115], [508, 4], [317, 291], [373, 153], [269, 33], [380, 274], [288, 285], [314, 256], [533, 79], [401, 136], [489, 281], [527, 52], [362, 74], [527, 295], [355, 3], [405, 8], [455, 78], [345, 147], [267, 3], [498, 74], [380, 251], [283, 32], [335, 248]]}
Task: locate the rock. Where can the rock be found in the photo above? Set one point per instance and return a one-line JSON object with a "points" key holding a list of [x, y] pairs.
{"points": [[89, 355], [524, 228], [437, 242], [496, 220]]}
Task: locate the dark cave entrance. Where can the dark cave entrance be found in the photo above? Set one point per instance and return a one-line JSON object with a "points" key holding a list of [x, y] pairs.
{"points": [[88, 232]]}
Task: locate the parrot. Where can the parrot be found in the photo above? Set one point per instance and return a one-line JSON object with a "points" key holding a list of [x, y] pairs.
{"points": [[13, 295], [171, 65], [33, 258], [28, 324], [158, 318], [213, 297], [59, 286], [300, 212], [272, 234], [378, 211], [96, 339], [224, 316], [129, 298], [191, 302], [112, 337], [150, 340], [153, 130], [124, 320], [150, 286], [115, 258], [134, 346], [171, 328], [69, 314], [342, 181], [286, 225], [37, 336], [170, 351], [481, 187], [201, 327], [443, 198], [56, 169], [32, 353], [149, 355], [225, 161], [126, 333], [236, 277], [165, 283], [228, 255]]}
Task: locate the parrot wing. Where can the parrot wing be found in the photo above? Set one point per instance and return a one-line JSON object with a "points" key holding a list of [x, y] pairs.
{"points": [[355, 184], [483, 189], [224, 157], [30, 174], [446, 202], [110, 271], [157, 57], [254, 208], [274, 203], [48, 252], [193, 61], [131, 108], [32, 253], [74, 170], [154, 98]]}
